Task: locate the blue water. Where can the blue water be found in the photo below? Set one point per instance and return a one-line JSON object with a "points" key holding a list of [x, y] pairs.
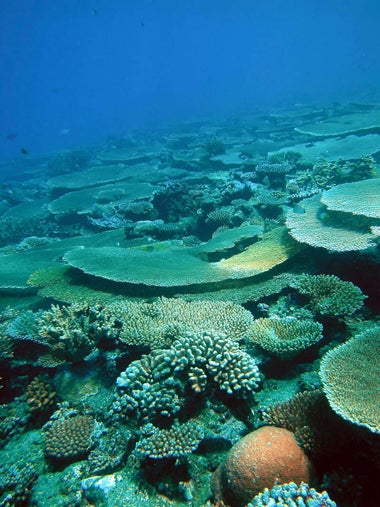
{"points": [[76, 71]]}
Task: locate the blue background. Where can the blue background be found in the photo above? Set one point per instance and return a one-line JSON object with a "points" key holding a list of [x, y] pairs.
{"points": [[75, 71]]}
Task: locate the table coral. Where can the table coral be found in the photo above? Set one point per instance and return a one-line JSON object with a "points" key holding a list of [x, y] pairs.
{"points": [[350, 376], [285, 337]]}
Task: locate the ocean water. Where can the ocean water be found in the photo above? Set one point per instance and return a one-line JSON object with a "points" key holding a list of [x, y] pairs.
{"points": [[189, 253]]}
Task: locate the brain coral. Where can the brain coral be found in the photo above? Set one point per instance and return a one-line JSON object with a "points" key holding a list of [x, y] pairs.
{"points": [[259, 460], [285, 337], [350, 376]]}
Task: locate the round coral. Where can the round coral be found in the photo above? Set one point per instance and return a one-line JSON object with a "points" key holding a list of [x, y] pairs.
{"points": [[261, 459]]}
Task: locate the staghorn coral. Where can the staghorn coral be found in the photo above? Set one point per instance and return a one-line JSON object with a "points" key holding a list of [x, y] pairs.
{"points": [[72, 332], [175, 442], [350, 376], [291, 495], [69, 439], [285, 337], [154, 386], [328, 295]]}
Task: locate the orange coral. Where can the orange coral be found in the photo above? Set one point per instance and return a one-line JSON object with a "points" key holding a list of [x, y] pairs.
{"points": [[261, 459]]}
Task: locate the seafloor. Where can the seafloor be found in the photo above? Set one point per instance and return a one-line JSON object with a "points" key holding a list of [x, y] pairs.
{"points": [[165, 294]]}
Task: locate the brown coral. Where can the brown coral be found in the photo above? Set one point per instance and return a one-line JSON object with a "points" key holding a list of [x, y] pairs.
{"points": [[40, 395], [259, 460], [69, 439]]}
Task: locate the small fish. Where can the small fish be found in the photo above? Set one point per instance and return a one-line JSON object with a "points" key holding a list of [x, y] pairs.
{"points": [[24, 151], [11, 136], [298, 209], [142, 24], [94, 12]]}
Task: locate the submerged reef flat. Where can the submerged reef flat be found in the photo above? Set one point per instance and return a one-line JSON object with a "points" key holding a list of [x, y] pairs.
{"points": [[190, 316]]}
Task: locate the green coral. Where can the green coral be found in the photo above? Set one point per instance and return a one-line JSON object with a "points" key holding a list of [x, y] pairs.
{"points": [[328, 295], [157, 324], [285, 337], [350, 376]]}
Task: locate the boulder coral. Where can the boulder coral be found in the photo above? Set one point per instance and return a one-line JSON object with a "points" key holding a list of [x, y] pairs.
{"points": [[259, 460]]}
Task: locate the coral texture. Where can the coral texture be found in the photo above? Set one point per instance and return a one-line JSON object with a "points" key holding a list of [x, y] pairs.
{"points": [[350, 376], [179, 440], [155, 384], [69, 439], [285, 337], [329, 295]]}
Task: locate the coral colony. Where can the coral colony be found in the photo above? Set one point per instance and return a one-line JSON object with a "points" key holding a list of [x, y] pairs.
{"points": [[189, 316]]}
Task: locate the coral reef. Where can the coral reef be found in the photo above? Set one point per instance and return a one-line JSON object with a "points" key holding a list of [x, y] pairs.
{"points": [[40, 395], [157, 324], [16, 482], [154, 386], [131, 372]]}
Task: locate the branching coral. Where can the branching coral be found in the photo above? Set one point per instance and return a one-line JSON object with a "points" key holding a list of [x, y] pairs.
{"points": [[154, 386], [290, 495], [69, 333], [177, 441], [157, 324]]}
